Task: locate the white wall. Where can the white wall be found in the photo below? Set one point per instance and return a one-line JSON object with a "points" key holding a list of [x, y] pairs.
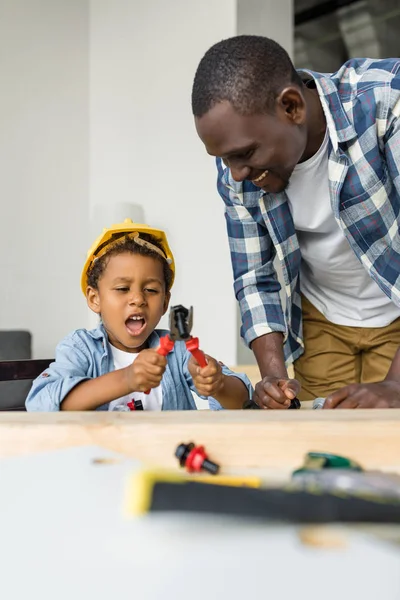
{"points": [[273, 19], [43, 166], [144, 148], [95, 112]]}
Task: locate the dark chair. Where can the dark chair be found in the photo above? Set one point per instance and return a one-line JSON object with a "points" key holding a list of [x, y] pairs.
{"points": [[13, 370], [17, 373], [19, 370]]}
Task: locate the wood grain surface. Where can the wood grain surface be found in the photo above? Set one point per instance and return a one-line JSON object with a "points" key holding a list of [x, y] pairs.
{"points": [[244, 440]]}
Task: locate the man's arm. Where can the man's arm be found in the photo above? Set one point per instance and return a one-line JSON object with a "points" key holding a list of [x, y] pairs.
{"points": [[252, 252], [275, 390], [257, 289], [268, 350]]}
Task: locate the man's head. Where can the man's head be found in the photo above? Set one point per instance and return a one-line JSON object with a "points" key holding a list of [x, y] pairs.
{"points": [[128, 277], [249, 108]]}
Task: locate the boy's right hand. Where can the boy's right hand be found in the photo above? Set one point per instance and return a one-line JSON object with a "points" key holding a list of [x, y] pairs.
{"points": [[146, 372], [276, 392]]}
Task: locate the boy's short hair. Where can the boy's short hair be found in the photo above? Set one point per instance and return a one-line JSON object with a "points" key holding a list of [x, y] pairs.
{"points": [[123, 242]]}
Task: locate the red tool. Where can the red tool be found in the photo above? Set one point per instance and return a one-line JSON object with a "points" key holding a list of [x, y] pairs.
{"points": [[180, 326], [194, 458], [135, 405]]}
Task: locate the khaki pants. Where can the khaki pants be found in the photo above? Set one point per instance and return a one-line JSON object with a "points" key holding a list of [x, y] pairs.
{"points": [[336, 355]]}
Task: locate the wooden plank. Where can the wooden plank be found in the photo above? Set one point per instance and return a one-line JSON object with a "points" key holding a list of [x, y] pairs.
{"points": [[253, 372], [270, 440]]}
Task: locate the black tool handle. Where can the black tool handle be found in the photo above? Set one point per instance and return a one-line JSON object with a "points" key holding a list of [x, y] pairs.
{"points": [[250, 404]]}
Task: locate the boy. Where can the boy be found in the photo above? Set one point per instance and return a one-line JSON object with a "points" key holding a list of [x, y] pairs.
{"points": [[127, 279]]}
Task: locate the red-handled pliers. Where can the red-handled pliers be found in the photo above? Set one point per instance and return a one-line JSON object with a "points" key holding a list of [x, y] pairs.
{"points": [[180, 326]]}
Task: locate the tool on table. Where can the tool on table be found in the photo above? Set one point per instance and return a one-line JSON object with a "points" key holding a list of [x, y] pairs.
{"points": [[250, 404], [135, 405], [328, 488], [340, 475], [318, 403], [152, 491], [295, 403], [315, 461], [129, 406], [376, 486], [145, 488], [180, 326], [194, 458]]}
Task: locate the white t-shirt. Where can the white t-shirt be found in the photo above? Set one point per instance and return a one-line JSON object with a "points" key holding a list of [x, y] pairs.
{"points": [[331, 276], [151, 401]]}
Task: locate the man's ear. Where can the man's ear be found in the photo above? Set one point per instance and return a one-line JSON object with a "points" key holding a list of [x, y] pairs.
{"points": [[93, 299], [291, 101], [166, 302]]}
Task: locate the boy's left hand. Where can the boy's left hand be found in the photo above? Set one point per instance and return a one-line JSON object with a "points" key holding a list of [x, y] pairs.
{"points": [[208, 380]]}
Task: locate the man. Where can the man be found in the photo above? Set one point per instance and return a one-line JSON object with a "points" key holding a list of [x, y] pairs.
{"points": [[308, 169]]}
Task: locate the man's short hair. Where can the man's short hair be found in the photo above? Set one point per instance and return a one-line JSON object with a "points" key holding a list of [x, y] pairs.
{"points": [[247, 70]]}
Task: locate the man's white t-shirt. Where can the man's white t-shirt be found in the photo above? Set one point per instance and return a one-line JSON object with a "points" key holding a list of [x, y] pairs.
{"points": [[331, 276], [151, 401]]}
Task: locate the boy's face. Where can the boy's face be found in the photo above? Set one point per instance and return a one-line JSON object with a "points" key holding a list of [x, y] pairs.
{"points": [[131, 299]]}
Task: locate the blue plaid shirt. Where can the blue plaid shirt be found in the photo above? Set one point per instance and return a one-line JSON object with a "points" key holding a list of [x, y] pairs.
{"points": [[361, 103]]}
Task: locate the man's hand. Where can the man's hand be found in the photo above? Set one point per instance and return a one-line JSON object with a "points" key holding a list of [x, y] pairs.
{"points": [[146, 372], [208, 380], [385, 394], [275, 392]]}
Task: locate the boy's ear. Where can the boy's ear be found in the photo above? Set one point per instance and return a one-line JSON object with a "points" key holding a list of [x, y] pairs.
{"points": [[93, 300], [166, 302]]}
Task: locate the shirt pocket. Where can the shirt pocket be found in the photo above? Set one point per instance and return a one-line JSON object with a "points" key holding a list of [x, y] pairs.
{"points": [[369, 216]]}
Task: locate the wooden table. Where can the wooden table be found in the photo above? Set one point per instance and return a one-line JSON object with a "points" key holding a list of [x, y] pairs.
{"points": [[271, 440], [63, 533]]}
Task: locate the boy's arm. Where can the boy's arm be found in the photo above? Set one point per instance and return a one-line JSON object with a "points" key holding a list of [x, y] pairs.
{"points": [[67, 383], [71, 367], [143, 374], [92, 393], [234, 391], [218, 384]]}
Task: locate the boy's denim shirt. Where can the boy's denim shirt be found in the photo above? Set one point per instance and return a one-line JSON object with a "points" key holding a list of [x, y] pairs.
{"points": [[87, 354]]}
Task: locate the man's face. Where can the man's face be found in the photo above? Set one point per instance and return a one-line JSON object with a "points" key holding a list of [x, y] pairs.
{"points": [[262, 148]]}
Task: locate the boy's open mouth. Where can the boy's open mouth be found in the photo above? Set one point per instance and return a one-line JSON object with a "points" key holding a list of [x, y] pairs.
{"points": [[135, 324]]}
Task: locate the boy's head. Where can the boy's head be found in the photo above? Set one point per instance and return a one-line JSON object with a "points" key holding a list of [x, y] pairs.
{"points": [[127, 280]]}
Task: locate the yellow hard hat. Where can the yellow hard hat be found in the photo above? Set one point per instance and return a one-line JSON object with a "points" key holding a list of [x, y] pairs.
{"points": [[110, 236]]}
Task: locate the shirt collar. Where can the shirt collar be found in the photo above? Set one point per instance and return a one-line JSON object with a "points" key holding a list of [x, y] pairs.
{"points": [[339, 127]]}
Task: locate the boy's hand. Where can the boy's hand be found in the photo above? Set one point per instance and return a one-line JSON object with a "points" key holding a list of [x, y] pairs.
{"points": [[208, 380], [146, 372]]}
